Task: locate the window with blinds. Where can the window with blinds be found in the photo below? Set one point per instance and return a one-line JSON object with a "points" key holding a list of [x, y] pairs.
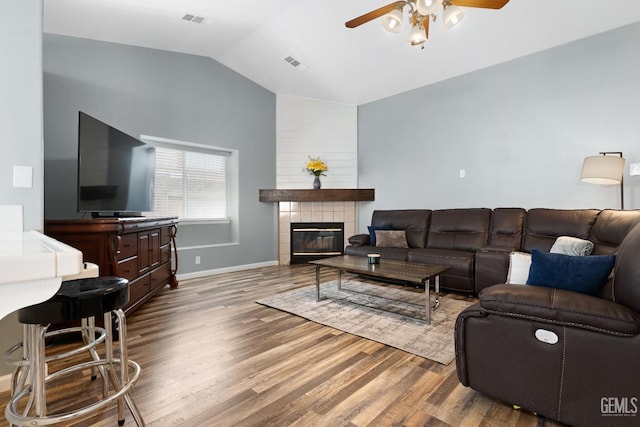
{"points": [[191, 184]]}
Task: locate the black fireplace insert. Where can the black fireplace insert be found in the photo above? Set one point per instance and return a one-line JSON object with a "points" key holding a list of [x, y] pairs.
{"points": [[315, 240]]}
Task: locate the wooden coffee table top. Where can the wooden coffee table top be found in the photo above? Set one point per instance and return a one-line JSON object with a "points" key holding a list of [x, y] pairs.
{"points": [[411, 272]]}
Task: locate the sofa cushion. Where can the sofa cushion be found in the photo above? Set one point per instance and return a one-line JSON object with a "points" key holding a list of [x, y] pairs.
{"points": [[372, 232], [625, 286], [391, 238], [544, 226], [506, 229], [414, 221], [360, 250], [585, 274], [461, 266], [396, 254], [610, 229], [360, 239], [560, 307], [492, 267], [519, 264], [459, 229]]}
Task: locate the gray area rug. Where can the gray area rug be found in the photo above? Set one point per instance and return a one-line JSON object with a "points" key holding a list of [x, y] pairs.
{"points": [[381, 313]]}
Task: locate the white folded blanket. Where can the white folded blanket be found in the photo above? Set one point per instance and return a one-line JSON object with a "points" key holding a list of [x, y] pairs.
{"points": [[572, 246]]}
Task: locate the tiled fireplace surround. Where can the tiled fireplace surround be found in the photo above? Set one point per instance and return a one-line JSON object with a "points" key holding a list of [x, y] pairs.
{"points": [[289, 212]]}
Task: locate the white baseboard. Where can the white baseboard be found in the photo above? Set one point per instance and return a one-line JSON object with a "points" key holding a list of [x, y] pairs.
{"points": [[204, 273]]}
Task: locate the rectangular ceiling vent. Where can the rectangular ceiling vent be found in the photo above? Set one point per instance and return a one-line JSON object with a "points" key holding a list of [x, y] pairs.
{"points": [[295, 63], [193, 18]]}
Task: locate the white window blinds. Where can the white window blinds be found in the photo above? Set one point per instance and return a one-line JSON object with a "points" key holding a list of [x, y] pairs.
{"points": [[191, 184]]}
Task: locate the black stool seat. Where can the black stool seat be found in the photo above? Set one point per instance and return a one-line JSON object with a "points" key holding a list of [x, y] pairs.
{"points": [[79, 299]]}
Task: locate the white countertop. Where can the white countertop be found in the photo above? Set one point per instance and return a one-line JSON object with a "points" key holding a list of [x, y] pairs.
{"points": [[32, 267]]}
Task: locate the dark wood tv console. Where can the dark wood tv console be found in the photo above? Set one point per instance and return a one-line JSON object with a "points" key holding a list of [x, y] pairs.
{"points": [[138, 249]]}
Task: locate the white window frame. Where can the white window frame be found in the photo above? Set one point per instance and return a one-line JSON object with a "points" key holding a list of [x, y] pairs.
{"points": [[232, 174]]}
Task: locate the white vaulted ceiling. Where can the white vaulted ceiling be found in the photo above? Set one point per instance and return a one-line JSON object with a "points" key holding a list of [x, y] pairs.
{"points": [[353, 66]]}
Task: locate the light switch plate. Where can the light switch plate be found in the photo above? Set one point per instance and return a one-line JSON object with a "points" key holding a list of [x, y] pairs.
{"points": [[634, 169]]}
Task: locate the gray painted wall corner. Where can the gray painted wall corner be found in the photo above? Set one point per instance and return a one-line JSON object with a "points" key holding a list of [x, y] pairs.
{"points": [[169, 95], [520, 130]]}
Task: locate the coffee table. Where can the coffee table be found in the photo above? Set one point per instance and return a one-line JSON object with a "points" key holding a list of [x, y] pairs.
{"points": [[411, 272]]}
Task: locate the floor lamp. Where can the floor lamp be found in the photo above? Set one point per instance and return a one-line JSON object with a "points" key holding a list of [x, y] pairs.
{"points": [[605, 169]]}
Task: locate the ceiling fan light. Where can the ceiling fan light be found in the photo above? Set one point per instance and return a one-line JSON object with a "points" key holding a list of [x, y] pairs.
{"points": [[452, 16], [428, 7], [392, 21], [417, 36]]}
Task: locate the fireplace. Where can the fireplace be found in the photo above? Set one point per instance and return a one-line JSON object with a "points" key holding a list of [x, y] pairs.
{"points": [[315, 240]]}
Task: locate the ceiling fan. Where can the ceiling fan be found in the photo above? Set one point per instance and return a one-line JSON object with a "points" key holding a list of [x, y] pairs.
{"points": [[420, 12]]}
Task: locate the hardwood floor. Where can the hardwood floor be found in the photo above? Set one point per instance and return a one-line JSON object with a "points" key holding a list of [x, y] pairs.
{"points": [[211, 356]]}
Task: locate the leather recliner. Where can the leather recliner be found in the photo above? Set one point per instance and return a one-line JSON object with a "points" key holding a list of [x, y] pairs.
{"points": [[567, 356]]}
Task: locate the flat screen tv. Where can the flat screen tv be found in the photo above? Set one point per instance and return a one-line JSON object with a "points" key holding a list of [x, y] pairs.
{"points": [[115, 171]]}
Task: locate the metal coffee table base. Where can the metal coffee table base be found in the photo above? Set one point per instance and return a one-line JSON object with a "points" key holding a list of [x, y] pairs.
{"points": [[425, 282]]}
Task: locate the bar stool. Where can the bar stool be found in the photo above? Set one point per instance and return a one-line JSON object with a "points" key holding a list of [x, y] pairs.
{"points": [[77, 300]]}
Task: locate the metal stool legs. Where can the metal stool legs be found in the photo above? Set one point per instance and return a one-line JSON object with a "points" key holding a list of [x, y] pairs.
{"points": [[124, 371], [35, 368]]}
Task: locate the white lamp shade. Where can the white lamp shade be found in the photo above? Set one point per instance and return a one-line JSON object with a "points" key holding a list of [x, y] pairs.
{"points": [[427, 7], [417, 35], [606, 170], [452, 16], [392, 21]]}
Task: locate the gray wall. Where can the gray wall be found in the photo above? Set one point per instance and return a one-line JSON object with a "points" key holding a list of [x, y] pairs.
{"points": [[520, 130], [21, 105], [170, 95], [20, 122]]}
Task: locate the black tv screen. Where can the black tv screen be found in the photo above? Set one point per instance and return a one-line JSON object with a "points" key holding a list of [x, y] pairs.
{"points": [[115, 171]]}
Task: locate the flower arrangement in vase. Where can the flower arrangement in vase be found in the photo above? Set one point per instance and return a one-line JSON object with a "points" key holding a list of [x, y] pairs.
{"points": [[316, 167]]}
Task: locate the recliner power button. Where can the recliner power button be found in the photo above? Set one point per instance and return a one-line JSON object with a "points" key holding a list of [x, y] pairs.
{"points": [[546, 336]]}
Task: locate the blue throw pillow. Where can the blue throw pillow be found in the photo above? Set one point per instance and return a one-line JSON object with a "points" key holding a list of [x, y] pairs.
{"points": [[585, 274], [372, 232]]}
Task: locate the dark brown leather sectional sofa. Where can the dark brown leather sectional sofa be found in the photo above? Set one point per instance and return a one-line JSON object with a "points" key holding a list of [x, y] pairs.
{"points": [[564, 355], [475, 243]]}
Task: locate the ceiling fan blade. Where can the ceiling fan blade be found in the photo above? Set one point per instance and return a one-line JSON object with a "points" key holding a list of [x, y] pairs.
{"points": [[486, 4], [373, 14]]}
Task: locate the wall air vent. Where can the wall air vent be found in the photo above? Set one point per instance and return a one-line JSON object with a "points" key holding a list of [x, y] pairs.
{"points": [[193, 18], [295, 63]]}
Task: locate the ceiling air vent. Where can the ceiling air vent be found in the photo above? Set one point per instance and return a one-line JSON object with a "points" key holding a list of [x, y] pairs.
{"points": [[295, 63], [193, 18]]}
